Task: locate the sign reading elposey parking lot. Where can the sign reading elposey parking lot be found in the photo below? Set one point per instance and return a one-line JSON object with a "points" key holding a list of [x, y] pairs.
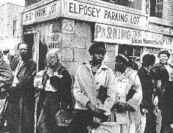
{"points": [[89, 11]]}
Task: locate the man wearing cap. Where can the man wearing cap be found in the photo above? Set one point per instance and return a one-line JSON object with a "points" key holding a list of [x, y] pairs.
{"points": [[93, 90], [21, 101]]}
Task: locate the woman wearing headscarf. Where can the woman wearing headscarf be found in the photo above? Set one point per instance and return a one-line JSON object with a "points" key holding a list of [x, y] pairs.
{"points": [[56, 82], [128, 95]]}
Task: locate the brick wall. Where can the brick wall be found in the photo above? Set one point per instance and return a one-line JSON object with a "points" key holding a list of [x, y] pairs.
{"points": [[74, 46], [14, 13], [3, 21], [9, 12]]}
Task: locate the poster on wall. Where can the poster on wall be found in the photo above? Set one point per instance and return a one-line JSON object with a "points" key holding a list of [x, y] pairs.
{"points": [[53, 40]]}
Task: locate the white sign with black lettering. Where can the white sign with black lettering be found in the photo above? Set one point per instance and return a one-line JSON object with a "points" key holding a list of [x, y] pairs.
{"points": [[84, 10], [114, 34], [49, 11]]}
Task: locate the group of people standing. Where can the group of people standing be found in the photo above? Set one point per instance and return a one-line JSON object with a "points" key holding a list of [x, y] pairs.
{"points": [[102, 100]]}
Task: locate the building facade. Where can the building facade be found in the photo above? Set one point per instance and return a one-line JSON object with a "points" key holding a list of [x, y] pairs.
{"points": [[10, 25], [72, 25]]}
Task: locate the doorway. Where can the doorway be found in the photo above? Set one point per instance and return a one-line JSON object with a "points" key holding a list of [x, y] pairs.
{"points": [[29, 40]]}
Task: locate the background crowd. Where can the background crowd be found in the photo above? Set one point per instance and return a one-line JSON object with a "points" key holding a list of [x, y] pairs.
{"points": [[98, 99]]}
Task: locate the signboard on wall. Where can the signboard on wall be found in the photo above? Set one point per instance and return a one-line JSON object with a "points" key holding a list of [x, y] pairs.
{"points": [[43, 13], [67, 26], [83, 10], [160, 29], [53, 40], [153, 39], [114, 34]]}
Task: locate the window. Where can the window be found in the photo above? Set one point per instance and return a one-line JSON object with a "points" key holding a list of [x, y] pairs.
{"points": [[156, 8], [137, 4], [159, 8], [133, 52], [30, 2], [14, 27]]}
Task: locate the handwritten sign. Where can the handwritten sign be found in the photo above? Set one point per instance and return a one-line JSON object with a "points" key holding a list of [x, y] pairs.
{"points": [[153, 39], [114, 34], [160, 29], [84, 10], [42, 13], [53, 40]]}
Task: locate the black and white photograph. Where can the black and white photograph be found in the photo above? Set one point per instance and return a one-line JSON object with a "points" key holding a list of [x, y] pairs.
{"points": [[86, 66]]}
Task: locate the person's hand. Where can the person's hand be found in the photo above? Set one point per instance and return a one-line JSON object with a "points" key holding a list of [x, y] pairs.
{"points": [[159, 84], [144, 111], [1, 79], [156, 101], [100, 113], [50, 72], [121, 107], [91, 107]]}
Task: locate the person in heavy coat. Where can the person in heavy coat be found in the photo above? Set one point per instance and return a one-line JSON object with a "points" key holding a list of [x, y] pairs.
{"points": [[6, 75], [160, 79], [167, 108], [21, 100], [148, 92], [128, 95], [93, 91], [6, 79], [55, 81]]}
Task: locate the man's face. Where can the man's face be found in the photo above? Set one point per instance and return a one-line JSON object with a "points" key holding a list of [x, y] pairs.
{"points": [[120, 66], [52, 60], [98, 58], [23, 50], [163, 58]]}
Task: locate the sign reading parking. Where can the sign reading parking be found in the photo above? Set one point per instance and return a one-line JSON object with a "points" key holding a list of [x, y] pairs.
{"points": [[82, 10]]}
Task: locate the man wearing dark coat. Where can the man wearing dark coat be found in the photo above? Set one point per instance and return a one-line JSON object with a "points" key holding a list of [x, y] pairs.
{"points": [[148, 91], [6, 79], [6, 75], [21, 101], [167, 107]]}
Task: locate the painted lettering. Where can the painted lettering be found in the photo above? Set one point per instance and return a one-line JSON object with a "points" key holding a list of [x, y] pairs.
{"points": [[134, 20], [84, 10], [97, 30], [109, 33], [71, 9], [52, 9]]}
